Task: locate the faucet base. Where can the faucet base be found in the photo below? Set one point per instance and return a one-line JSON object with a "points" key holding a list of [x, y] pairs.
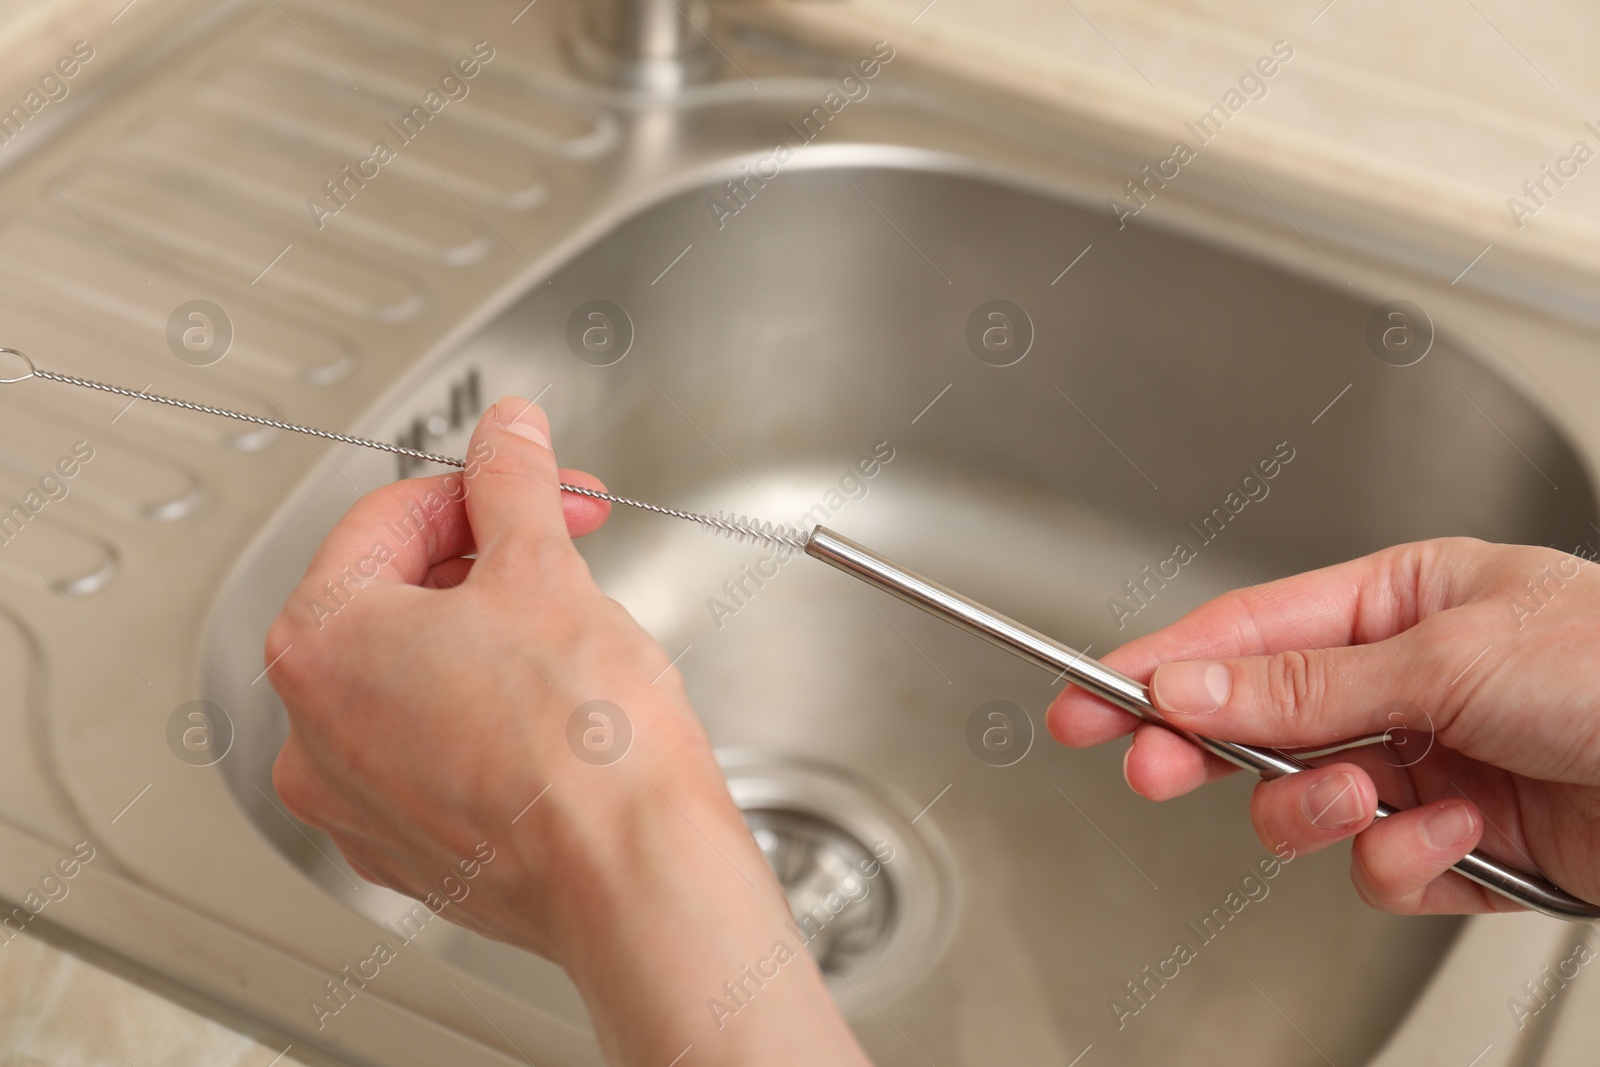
{"points": [[652, 46]]}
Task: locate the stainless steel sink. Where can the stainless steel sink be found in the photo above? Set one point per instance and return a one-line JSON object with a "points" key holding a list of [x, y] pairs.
{"points": [[924, 330], [831, 316]]}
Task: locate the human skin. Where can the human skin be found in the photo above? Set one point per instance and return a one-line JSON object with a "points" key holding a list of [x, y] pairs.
{"points": [[429, 711], [1494, 678], [432, 708]]}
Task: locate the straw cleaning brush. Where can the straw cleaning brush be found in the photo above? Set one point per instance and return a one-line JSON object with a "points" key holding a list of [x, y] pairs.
{"points": [[868, 566]]}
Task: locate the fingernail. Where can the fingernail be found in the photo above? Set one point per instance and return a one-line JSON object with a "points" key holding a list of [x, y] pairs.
{"points": [[526, 420], [1333, 803], [1447, 827], [1193, 688]]}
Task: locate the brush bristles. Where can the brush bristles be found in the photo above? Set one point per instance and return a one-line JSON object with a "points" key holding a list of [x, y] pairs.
{"points": [[743, 529]]}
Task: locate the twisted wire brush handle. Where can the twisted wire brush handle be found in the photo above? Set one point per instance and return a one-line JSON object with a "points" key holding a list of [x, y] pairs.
{"points": [[738, 527]]}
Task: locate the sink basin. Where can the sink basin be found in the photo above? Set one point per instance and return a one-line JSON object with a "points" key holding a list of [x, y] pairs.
{"points": [[887, 342], [924, 330]]}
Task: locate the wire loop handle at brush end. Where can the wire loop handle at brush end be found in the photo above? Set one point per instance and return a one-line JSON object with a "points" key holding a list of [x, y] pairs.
{"points": [[739, 528]]}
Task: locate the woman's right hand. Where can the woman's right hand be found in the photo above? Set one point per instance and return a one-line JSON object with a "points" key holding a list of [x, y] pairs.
{"points": [[1483, 659]]}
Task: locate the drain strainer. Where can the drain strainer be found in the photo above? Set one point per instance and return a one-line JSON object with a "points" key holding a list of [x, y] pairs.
{"points": [[841, 898], [872, 896]]}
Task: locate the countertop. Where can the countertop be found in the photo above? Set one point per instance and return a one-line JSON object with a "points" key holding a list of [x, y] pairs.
{"points": [[1460, 102], [64, 1012]]}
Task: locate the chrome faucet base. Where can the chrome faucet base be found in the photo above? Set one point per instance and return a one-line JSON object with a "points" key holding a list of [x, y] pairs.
{"points": [[650, 46]]}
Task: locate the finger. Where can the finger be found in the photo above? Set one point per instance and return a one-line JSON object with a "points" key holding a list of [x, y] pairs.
{"points": [[395, 534], [1353, 603], [515, 505], [1358, 602], [1422, 769], [584, 514], [1327, 696], [1161, 765], [448, 574], [1402, 863], [1079, 719], [1314, 809]]}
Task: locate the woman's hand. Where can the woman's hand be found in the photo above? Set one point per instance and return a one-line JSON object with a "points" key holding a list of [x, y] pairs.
{"points": [[1480, 662], [442, 732]]}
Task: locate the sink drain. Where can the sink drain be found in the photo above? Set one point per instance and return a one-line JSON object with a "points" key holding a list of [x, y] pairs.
{"points": [[872, 896], [842, 901]]}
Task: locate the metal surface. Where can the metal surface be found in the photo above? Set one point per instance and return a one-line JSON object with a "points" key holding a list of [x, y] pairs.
{"points": [[815, 860], [652, 45], [1132, 696], [892, 920], [761, 381], [770, 353]]}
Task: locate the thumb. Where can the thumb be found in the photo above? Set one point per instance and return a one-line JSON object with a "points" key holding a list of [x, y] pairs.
{"points": [[1294, 699], [513, 497]]}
